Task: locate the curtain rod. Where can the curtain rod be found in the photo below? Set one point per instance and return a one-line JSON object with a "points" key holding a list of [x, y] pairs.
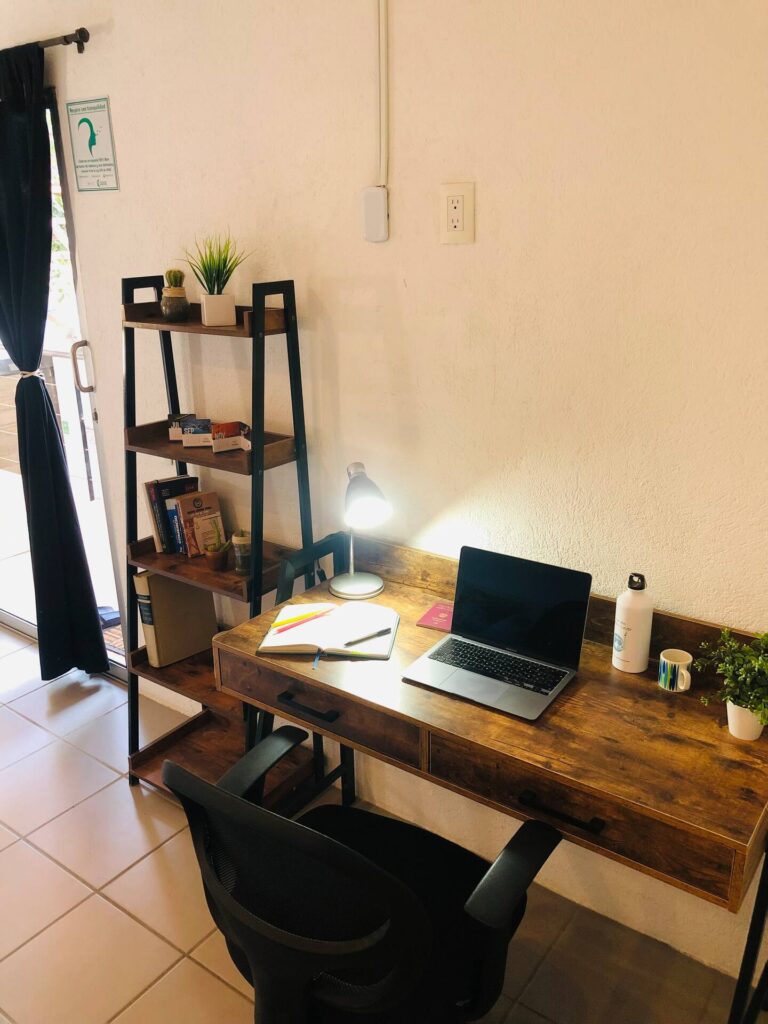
{"points": [[79, 36]]}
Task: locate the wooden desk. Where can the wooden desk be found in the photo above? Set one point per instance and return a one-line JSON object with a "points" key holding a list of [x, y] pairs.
{"points": [[679, 798]]}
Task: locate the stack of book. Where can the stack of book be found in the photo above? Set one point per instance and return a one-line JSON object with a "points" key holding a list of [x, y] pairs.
{"points": [[185, 520]]}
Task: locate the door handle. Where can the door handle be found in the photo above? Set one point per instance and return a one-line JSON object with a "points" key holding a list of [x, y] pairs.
{"points": [[85, 388]]}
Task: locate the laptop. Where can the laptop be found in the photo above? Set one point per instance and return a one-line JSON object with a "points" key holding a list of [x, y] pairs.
{"points": [[517, 632]]}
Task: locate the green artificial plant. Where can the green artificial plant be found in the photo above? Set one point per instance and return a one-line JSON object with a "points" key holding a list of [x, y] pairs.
{"points": [[743, 671], [215, 261]]}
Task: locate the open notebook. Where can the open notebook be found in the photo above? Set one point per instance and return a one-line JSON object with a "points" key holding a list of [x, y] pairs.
{"points": [[309, 628]]}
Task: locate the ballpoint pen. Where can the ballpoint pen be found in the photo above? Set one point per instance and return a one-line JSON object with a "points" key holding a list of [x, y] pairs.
{"points": [[371, 636]]}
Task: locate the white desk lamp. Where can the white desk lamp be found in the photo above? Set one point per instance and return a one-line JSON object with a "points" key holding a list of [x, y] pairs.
{"points": [[364, 508]]}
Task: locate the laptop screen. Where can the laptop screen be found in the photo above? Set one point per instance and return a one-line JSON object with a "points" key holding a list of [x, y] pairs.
{"points": [[527, 607]]}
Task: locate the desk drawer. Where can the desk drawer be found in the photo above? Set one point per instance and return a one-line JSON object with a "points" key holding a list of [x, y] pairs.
{"points": [[691, 861], [324, 711]]}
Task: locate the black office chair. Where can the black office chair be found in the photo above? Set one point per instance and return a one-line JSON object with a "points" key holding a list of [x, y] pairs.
{"points": [[348, 916]]}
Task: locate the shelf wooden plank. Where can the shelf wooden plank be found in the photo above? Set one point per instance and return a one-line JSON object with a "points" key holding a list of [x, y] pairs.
{"points": [[209, 745], [147, 316], [152, 439], [196, 573], [191, 677]]}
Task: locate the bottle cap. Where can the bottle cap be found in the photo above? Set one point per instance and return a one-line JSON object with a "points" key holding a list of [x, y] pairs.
{"points": [[636, 581]]}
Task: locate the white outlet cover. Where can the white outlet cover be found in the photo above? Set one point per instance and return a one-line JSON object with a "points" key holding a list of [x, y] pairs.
{"points": [[451, 232]]}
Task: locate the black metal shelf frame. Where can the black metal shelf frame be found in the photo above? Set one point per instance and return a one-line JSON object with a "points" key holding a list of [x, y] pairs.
{"points": [[261, 292]]}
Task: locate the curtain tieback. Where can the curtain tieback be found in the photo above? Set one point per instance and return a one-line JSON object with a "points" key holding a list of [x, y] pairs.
{"points": [[31, 373]]}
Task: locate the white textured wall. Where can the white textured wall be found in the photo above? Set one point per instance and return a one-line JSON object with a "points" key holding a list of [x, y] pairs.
{"points": [[586, 384]]}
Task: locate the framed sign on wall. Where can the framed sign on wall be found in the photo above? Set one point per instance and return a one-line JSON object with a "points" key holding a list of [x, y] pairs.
{"points": [[93, 148]]}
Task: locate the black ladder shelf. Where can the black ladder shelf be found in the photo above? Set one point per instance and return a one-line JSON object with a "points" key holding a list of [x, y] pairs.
{"points": [[210, 742]]}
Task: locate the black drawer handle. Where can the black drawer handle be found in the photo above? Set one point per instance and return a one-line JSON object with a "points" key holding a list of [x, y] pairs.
{"points": [[286, 697], [529, 799]]}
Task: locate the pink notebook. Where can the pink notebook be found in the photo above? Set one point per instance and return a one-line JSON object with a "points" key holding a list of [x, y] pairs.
{"points": [[439, 616]]}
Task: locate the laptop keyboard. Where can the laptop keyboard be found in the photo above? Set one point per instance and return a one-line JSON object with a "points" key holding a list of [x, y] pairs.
{"points": [[497, 665]]}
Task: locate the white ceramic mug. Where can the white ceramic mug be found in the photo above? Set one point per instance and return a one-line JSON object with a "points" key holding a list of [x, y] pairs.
{"points": [[674, 670]]}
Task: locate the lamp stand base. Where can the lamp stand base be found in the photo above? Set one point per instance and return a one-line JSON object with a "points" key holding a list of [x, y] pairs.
{"points": [[356, 586]]}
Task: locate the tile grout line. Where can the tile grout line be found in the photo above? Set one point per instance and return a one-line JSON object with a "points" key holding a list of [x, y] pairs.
{"points": [[50, 924], [146, 988], [55, 816], [95, 718], [94, 888], [199, 963]]}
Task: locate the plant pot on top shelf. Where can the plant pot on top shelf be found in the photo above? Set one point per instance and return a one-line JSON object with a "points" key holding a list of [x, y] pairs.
{"points": [[743, 672], [174, 304], [213, 264], [217, 310]]}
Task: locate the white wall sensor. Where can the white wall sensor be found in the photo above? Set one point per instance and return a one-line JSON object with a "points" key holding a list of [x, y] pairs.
{"points": [[375, 213]]}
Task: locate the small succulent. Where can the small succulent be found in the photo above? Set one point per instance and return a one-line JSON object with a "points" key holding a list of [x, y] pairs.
{"points": [[174, 278]]}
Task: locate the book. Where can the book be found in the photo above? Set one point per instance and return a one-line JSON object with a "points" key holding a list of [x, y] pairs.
{"points": [[177, 620], [157, 493], [188, 506], [196, 433], [176, 422], [329, 628], [234, 434], [209, 529], [177, 537]]}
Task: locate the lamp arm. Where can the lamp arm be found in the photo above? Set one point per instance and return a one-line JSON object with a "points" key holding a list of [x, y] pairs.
{"points": [[351, 551]]}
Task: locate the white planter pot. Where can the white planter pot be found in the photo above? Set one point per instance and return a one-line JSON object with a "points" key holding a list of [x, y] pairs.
{"points": [[218, 310], [743, 724]]}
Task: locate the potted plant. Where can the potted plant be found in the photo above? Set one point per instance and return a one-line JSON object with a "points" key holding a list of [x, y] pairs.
{"points": [[743, 668], [214, 262], [174, 305], [216, 555]]}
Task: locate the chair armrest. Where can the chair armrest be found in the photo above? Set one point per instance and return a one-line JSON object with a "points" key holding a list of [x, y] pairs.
{"points": [[251, 768], [499, 891]]}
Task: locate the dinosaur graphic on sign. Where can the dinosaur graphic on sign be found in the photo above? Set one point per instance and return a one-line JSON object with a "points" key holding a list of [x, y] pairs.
{"points": [[92, 136]]}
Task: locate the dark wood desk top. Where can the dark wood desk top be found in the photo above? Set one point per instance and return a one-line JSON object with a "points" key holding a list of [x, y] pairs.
{"points": [[611, 735], [617, 733]]}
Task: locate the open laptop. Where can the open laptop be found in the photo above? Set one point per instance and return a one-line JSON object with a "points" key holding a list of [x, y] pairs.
{"points": [[516, 637]]}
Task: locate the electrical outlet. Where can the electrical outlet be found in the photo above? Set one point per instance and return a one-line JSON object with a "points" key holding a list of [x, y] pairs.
{"points": [[457, 213]]}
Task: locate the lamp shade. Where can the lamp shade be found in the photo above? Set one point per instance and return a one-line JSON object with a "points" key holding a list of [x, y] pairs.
{"points": [[365, 506]]}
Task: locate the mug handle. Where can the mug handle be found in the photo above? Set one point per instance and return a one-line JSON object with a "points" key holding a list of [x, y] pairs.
{"points": [[683, 679]]}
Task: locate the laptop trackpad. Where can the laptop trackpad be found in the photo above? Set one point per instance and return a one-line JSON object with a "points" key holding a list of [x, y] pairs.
{"points": [[474, 686]]}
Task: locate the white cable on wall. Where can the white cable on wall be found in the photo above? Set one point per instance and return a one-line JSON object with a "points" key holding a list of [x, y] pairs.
{"points": [[383, 93], [375, 198]]}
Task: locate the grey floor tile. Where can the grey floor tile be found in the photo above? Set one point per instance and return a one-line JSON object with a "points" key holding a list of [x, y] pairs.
{"points": [[599, 972], [719, 1004], [546, 916]]}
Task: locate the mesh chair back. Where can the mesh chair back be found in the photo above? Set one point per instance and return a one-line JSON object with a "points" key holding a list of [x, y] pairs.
{"points": [[304, 916]]}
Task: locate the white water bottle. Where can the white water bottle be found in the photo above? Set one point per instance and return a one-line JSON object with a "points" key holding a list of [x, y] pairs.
{"points": [[632, 628]]}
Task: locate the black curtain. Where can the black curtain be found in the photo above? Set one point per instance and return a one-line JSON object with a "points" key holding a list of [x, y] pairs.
{"points": [[69, 631]]}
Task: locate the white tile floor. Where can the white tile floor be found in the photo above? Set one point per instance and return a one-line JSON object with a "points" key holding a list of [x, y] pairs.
{"points": [[100, 893], [103, 916]]}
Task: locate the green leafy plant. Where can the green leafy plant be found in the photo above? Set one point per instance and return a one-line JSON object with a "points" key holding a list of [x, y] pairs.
{"points": [[174, 278], [219, 544], [743, 668], [215, 261]]}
